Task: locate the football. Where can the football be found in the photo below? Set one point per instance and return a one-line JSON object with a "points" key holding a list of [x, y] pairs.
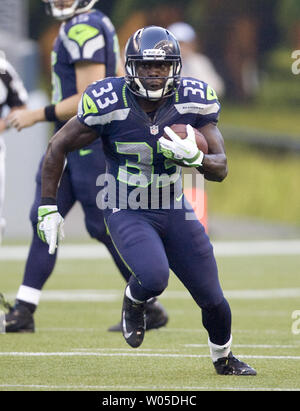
{"points": [[180, 130]]}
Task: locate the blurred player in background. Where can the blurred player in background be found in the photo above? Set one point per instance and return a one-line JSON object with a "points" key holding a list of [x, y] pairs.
{"points": [[13, 95], [144, 210], [195, 64], [86, 49]]}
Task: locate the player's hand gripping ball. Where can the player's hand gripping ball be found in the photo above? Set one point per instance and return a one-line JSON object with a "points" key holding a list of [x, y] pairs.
{"points": [[184, 145]]}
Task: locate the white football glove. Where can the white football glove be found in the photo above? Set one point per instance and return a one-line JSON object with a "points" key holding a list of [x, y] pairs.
{"points": [[50, 226], [185, 150]]}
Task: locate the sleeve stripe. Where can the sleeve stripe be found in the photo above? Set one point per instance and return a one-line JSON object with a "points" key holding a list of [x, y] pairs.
{"points": [[91, 46], [116, 115], [197, 108], [71, 46]]}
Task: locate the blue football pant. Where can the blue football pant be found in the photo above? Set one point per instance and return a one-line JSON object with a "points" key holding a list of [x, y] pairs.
{"points": [[152, 242], [78, 183]]}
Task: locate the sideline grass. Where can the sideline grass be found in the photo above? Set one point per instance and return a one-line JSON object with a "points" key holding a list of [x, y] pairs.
{"points": [[259, 185], [175, 358]]}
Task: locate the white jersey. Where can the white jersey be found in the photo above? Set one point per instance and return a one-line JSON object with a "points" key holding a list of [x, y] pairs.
{"points": [[12, 94]]}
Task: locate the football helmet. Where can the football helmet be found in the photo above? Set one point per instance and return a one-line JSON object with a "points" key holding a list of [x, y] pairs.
{"points": [[152, 43], [65, 9]]}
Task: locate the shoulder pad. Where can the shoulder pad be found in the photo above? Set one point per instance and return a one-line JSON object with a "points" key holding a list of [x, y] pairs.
{"points": [[82, 33], [195, 96], [82, 38], [104, 101], [196, 90]]}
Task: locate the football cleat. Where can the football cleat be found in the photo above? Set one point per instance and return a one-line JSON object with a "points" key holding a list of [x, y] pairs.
{"points": [[19, 319], [156, 316], [232, 366], [133, 322]]}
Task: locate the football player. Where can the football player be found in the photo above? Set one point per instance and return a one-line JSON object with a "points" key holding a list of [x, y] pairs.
{"points": [[131, 114], [13, 95], [86, 49]]}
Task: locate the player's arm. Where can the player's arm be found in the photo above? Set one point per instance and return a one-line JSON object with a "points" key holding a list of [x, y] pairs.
{"points": [[214, 164], [120, 69], [4, 122], [3, 125], [86, 73], [73, 136]]}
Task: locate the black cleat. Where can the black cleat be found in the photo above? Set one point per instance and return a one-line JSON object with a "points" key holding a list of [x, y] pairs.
{"points": [[232, 366], [156, 316], [133, 322], [19, 319]]}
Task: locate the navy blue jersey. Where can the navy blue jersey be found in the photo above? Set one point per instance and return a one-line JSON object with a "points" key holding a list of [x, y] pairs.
{"points": [[86, 37], [130, 136]]}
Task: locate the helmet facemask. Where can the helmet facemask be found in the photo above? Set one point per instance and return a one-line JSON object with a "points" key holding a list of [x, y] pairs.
{"points": [[171, 81], [65, 9]]}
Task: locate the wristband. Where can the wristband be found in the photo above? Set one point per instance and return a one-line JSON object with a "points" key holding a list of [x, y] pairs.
{"points": [[50, 113], [48, 201]]}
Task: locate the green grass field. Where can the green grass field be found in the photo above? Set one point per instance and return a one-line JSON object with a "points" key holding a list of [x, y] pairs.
{"points": [[72, 350]]}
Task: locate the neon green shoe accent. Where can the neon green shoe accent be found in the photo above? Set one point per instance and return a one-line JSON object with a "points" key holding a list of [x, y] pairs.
{"points": [[81, 33], [89, 107], [84, 152]]}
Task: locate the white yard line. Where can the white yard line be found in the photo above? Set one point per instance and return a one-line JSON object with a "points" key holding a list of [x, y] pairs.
{"points": [[263, 346], [140, 353], [222, 249], [135, 354], [167, 329], [116, 295]]}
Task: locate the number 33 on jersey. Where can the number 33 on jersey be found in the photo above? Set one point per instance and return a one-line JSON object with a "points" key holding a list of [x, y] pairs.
{"points": [[130, 136]]}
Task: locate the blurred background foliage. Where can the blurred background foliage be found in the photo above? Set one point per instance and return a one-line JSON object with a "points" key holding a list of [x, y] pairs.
{"points": [[259, 35]]}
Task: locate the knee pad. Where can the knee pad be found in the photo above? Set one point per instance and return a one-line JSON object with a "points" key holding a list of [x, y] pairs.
{"points": [[140, 292], [155, 282]]}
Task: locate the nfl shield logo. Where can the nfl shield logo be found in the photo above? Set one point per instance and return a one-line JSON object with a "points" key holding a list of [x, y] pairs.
{"points": [[154, 130]]}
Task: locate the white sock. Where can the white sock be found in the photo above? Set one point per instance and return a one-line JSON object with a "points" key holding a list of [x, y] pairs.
{"points": [[128, 294], [219, 351], [28, 294]]}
